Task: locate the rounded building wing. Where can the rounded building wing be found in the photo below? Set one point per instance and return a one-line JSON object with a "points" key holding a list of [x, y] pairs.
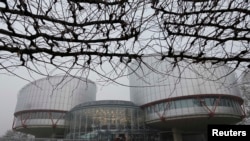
{"points": [[174, 95], [42, 104]]}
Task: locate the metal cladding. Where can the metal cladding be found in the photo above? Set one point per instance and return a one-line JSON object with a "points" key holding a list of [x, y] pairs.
{"points": [[43, 104], [245, 84], [194, 92]]}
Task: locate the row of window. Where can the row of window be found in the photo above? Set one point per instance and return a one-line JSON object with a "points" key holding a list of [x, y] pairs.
{"points": [[195, 102], [41, 115]]}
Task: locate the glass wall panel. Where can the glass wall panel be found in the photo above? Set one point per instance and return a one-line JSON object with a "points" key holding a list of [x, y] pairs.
{"points": [[104, 121], [202, 103]]}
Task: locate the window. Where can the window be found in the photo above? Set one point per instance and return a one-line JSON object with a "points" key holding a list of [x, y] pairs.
{"points": [[178, 104]]}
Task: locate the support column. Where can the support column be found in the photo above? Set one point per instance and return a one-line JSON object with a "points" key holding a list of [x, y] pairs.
{"points": [[177, 135]]}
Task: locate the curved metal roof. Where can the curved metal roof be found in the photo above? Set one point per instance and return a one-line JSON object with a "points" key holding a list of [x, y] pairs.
{"points": [[105, 103], [63, 77]]}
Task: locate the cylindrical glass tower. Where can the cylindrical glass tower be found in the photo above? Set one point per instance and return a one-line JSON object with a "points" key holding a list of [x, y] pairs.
{"points": [[42, 104], [107, 120]]}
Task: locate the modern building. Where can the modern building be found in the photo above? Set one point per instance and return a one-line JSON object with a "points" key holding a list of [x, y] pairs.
{"points": [[42, 104], [182, 99], [169, 102], [107, 120]]}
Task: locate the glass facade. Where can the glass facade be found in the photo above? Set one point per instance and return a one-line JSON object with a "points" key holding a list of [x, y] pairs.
{"points": [[108, 120], [41, 115], [223, 105]]}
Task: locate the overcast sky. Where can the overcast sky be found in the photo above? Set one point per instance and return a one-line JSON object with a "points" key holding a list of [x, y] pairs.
{"points": [[10, 85]]}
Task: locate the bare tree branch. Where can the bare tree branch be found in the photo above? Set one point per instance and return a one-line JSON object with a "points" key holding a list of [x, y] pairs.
{"points": [[70, 35]]}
